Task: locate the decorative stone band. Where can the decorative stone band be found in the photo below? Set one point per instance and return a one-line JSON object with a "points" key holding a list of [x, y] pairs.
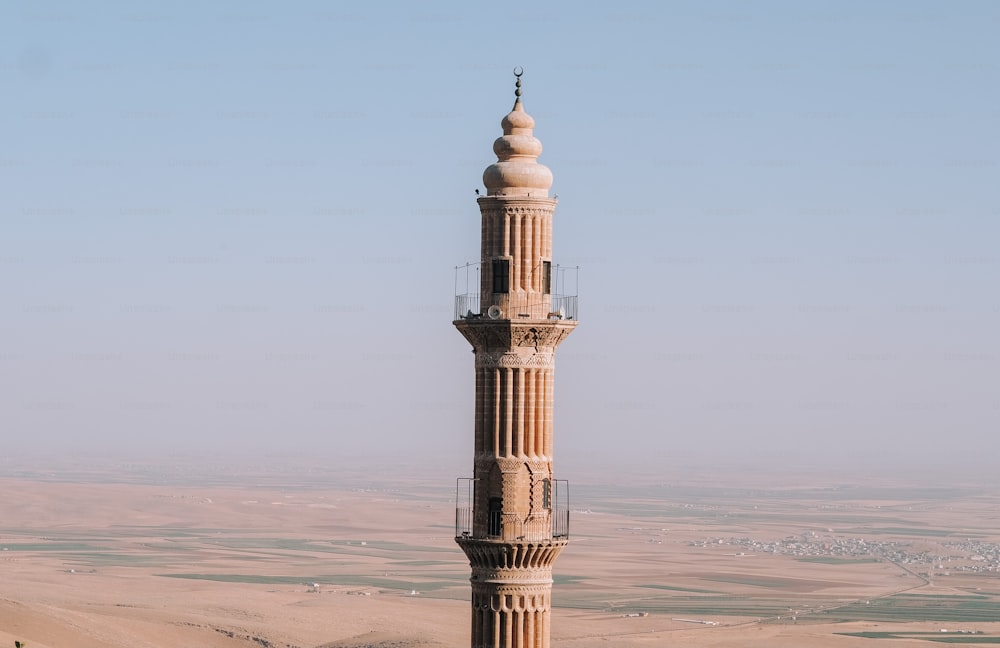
{"points": [[538, 336], [496, 207], [516, 599], [513, 360], [542, 577], [485, 461]]}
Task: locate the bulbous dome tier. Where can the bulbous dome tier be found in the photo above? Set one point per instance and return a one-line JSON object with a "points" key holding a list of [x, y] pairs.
{"points": [[517, 171]]}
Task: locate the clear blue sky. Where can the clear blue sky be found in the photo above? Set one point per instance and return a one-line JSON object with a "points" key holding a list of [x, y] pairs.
{"points": [[231, 226]]}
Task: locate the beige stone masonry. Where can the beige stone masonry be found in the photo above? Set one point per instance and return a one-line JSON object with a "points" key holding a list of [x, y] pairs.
{"points": [[512, 543]]}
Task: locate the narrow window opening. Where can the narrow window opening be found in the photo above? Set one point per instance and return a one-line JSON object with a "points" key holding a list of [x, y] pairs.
{"points": [[496, 518], [547, 277], [501, 275]]}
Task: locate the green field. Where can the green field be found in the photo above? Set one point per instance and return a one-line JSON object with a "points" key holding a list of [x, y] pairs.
{"points": [[921, 607], [938, 637]]}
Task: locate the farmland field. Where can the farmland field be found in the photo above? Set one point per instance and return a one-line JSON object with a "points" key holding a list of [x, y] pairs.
{"points": [[122, 558]]}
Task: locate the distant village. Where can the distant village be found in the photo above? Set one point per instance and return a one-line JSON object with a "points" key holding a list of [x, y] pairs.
{"points": [[969, 556]]}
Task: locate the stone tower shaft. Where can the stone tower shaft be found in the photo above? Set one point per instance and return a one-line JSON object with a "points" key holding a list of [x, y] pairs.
{"points": [[512, 520], [517, 255]]}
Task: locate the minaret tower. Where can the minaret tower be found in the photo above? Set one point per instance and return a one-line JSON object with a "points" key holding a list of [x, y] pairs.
{"points": [[512, 518]]}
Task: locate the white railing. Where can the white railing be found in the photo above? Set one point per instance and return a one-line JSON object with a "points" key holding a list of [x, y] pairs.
{"points": [[562, 303], [467, 306], [514, 306]]}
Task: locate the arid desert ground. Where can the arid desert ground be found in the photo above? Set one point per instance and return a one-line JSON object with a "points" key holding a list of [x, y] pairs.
{"points": [[145, 555]]}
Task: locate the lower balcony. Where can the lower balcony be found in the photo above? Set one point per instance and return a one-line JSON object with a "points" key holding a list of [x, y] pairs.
{"points": [[551, 523]]}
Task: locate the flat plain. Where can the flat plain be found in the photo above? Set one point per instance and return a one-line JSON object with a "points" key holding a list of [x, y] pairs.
{"points": [[150, 555]]}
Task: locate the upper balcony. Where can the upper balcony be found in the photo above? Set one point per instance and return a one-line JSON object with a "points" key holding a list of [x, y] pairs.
{"points": [[561, 303]]}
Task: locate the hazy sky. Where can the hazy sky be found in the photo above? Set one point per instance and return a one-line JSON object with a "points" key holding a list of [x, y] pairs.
{"points": [[231, 227]]}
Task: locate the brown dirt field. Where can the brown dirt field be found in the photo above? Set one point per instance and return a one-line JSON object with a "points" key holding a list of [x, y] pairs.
{"points": [[119, 559]]}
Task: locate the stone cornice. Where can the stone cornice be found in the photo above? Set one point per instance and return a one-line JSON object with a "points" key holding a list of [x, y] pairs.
{"points": [[501, 336], [505, 561], [529, 202]]}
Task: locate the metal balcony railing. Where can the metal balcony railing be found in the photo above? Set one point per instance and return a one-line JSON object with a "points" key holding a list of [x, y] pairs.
{"points": [[467, 306], [549, 524], [562, 303]]}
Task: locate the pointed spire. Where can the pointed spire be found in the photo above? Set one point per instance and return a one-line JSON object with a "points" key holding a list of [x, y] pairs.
{"points": [[517, 171]]}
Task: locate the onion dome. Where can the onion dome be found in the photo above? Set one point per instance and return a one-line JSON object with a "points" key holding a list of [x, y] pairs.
{"points": [[517, 171]]}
